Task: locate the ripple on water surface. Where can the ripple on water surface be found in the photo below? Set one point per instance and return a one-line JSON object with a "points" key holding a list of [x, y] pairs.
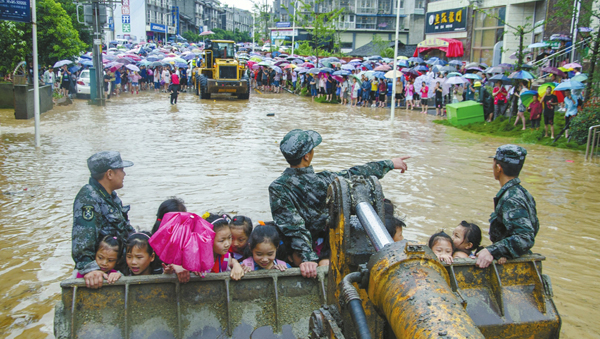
{"points": [[223, 154]]}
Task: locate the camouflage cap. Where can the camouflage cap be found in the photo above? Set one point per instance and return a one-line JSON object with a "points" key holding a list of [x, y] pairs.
{"points": [[103, 161], [510, 154], [297, 143]]}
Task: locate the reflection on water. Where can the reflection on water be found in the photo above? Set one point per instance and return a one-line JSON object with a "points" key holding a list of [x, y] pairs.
{"points": [[223, 154]]}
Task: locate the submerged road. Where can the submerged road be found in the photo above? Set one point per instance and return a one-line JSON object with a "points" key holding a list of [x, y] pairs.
{"points": [[221, 155]]}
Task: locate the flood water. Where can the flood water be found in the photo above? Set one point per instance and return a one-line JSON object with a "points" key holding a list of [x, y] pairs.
{"points": [[222, 155]]}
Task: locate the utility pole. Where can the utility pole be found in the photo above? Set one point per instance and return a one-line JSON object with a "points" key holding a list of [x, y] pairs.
{"points": [[294, 25], [36, 76], [97, 53], [395, 63]]}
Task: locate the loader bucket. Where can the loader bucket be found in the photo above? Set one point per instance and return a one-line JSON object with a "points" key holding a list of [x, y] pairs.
{"points": [[264, 304]]}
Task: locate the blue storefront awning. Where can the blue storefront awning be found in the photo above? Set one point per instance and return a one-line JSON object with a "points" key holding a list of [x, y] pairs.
{"points": [[157, 28]]}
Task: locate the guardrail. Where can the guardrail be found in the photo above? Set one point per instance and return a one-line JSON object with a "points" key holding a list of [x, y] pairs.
{"points": [[593, 140], [561, 55]]}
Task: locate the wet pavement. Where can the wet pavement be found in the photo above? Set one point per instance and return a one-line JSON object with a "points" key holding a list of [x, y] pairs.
{"points": [[221, 155]]}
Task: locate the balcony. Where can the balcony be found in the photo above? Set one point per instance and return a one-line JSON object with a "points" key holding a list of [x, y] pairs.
{"points": [[365, 10], [346, 25]]}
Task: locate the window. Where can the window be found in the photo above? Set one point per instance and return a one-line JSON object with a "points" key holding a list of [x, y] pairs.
{"points": [[366, 22], [366, 7], [385, 6], [156, 17], [149, 15], [419, 3], [487, 31]]}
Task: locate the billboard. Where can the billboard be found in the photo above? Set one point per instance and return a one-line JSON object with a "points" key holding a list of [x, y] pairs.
{"points": [[450, 20], [15, 10]]}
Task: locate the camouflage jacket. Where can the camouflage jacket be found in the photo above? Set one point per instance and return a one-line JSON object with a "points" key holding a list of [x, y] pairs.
{"points": [[298, 202], [514, 223], [96, 214]]}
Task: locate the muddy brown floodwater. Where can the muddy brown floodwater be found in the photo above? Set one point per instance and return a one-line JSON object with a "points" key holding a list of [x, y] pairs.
{"points": [[222, 155]]}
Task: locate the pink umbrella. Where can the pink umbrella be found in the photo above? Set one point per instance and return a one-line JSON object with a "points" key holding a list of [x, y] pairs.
{"points": [[383, 68], [307, 65], [133, 56], [207, 33], [572, 65], [338, 78]]}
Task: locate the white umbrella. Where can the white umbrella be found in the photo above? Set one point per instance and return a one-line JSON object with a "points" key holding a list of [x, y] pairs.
{"points": [[133, 68], [62, 63]]}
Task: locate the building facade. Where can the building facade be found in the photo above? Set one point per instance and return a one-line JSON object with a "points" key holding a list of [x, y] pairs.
{"points": [[156, 20], [361, 20]]}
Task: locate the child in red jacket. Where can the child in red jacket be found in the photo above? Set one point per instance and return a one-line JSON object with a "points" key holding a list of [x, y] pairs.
{"points": [[535, 109]]}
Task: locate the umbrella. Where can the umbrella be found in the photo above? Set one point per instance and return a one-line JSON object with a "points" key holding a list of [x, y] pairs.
{"points": [[348, 67], [542, 91], [114, 64], [181, 65], [156, 64], [62, 63], [554, 70], [439, 63], [495, 69], [402, 57], [403, 63], [569, 85], [506, 66], [313, 71], [133, 67], [382, 68], [474, 69], [189, 56], [307, 65], [455, 63], [472, 76], [538, 45], [301, 70], [448, 69], [87, 63], [472, 64], [456, 81], [422, 79], [264, 63], [356, 60], [572, 65], [125, 61], [207, 33], [290, 66], [326, 70], [341, 73], [580, 77], [432, 60], [501, 77], [527, 97], [74, 69], [338, 78], [277, 69], [390, 74], [358, 80], [521, 75], [410, 72], [368, 74], [453, 74], [415, 59], [256, 58], [379, 75], [421, 68], [133, 57], [562, 37]]}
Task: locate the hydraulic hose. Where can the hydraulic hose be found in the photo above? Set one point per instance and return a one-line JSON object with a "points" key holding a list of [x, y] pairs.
{"points": [[352, 300]]}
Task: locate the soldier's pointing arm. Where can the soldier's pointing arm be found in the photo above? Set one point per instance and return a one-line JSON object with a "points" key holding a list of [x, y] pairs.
{"points": [[378, 169]]}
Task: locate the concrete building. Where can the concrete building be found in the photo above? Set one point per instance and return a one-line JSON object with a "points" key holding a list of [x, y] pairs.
{"points": [[487, 39], [360, 20], [236, 18]]}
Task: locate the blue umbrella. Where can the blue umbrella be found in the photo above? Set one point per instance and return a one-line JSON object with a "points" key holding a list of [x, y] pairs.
{"points": [[368, 66], [472, 76], [348, 67], [569, 85], [521, 75], [415, 59], [455, 63], [421, 68], [402, 63], [181, 65], [62, 63], [74, 69], [439, 63], [432, 60], [341, 73], [379, 75], [500, 77], [313, 71], [88, 63], [326, 70]]}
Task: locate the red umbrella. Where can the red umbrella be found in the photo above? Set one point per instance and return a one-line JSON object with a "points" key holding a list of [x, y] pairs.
{"points": [[307, 65]]}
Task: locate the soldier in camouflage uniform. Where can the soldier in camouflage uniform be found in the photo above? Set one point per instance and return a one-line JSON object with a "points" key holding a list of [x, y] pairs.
{"points": [[297, 197], [98, 211], [514, 223]]}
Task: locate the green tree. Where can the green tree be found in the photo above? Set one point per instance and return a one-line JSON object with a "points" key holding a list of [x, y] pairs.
{"points": [[379, 45], [84, 31], [586, 13], [263, 18], [322, 27], [57, 39], [190, 36]]}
